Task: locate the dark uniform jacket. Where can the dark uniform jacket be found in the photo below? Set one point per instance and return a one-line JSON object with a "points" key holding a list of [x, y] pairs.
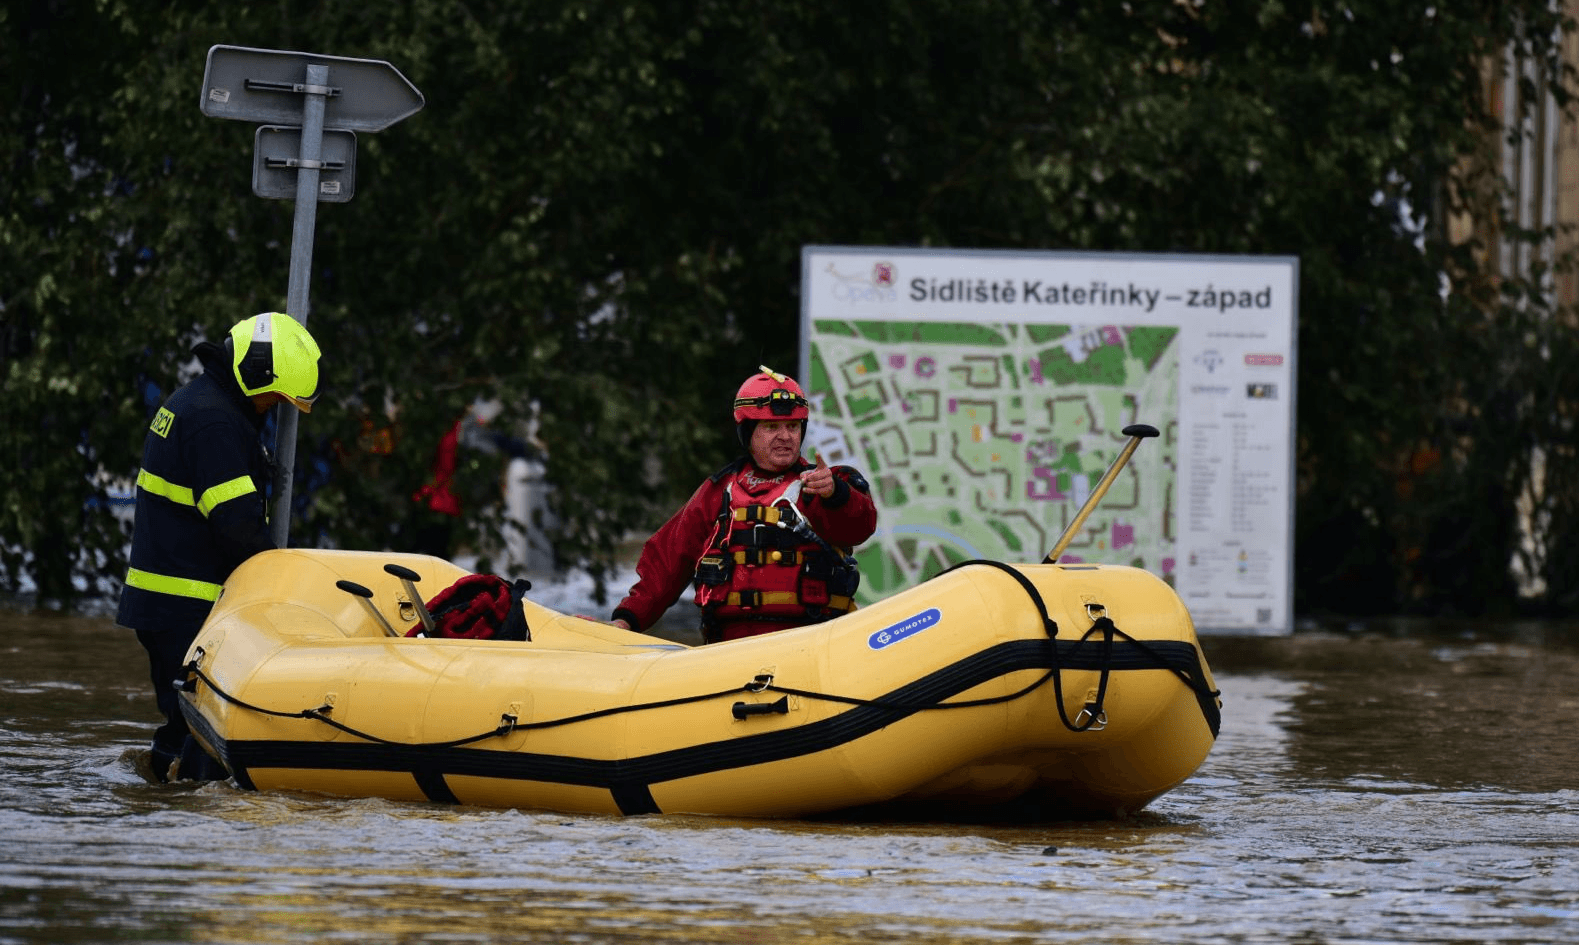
{"points": [[200, 501]]}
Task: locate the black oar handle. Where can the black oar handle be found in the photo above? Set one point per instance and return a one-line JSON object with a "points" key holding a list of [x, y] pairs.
{"points": [[351, 587], [408, 579], [406, 574], [366, 596]]}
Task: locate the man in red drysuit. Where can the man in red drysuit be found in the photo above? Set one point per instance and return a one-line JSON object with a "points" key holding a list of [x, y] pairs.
{"points": [[767, 539]]}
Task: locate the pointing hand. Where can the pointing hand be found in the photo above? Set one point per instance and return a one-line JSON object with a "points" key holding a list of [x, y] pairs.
{"points": [[818, 481]]}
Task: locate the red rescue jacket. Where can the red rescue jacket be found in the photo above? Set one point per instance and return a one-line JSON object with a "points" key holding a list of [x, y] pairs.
{"points": [[718, 542]]}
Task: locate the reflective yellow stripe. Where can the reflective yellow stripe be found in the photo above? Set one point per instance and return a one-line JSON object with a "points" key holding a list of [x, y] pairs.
{"points": [[764, 513], [182, 495], [224, 492], [179, 587], [178, 494]]}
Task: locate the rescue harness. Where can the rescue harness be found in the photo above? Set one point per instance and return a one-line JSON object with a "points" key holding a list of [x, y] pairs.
{"points": [[765, 562]]}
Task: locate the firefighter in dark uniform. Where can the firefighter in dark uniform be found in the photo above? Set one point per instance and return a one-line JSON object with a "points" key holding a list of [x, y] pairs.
{"points": [[766, 540], [201, 507]]}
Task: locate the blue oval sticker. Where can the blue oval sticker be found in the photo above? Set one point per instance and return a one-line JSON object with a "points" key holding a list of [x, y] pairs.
{"points": [[908, 627]]}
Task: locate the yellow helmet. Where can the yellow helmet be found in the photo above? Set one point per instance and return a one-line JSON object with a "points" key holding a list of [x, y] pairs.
{"points": [[273, 352]]}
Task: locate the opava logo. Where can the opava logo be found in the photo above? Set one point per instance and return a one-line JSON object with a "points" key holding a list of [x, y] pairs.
{"points": [[876, 287], [908, 627]]}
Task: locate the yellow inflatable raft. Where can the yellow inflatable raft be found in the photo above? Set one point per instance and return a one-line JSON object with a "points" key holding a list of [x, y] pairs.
{"points": [[1079, 688]]}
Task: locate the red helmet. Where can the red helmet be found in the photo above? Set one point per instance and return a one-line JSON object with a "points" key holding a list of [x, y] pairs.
{"points": [[770, 396]]}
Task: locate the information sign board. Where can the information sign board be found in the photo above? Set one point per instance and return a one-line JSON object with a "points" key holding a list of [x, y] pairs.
{"points": [[983, 393]]}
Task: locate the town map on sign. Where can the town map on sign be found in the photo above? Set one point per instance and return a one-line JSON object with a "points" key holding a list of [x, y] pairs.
{"points": [[983, 440]]}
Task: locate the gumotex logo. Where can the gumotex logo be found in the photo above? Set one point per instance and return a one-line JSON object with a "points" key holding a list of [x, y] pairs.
{"points": [[908, 627]]}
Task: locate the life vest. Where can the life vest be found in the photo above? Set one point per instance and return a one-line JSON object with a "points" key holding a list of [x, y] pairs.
{"points": [[756, 567], [479, 607]]}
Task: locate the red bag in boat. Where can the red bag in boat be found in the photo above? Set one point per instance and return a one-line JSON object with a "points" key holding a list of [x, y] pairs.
{"points": [[479, 607]]}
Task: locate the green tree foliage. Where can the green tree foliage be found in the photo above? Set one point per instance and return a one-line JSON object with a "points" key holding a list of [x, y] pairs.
{"points": [[600, 211]]}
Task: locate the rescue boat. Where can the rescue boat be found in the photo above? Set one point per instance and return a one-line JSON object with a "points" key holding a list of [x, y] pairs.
{"points": [[1078, 689]]}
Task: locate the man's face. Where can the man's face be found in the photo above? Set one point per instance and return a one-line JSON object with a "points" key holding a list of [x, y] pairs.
{"points": [[775, 444]]}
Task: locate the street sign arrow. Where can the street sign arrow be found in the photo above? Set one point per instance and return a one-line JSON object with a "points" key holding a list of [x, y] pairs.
{"points": [[268, 86]]}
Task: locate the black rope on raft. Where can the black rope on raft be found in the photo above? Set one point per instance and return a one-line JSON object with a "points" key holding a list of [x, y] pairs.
{"points": [[1050, 627], [321, 714], [508, 723], [1109, 632]]}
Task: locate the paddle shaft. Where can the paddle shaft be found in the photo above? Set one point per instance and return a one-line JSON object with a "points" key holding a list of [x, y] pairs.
{"points": [[365, 598], [408, 580], [1136, 432]]}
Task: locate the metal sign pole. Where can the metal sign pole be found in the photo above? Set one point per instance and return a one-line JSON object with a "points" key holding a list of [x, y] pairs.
{"points": [[268, 85], [286, 417]]}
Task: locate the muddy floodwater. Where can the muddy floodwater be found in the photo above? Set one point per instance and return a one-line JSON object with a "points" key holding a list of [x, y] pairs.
{"points": [[1413, 783]]}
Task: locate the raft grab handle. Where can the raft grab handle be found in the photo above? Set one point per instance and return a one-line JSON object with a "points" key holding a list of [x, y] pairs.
{"points": [[741, 710]]}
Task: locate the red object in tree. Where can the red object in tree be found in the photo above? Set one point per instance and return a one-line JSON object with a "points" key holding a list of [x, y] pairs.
{"points": [[437, 494]]}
